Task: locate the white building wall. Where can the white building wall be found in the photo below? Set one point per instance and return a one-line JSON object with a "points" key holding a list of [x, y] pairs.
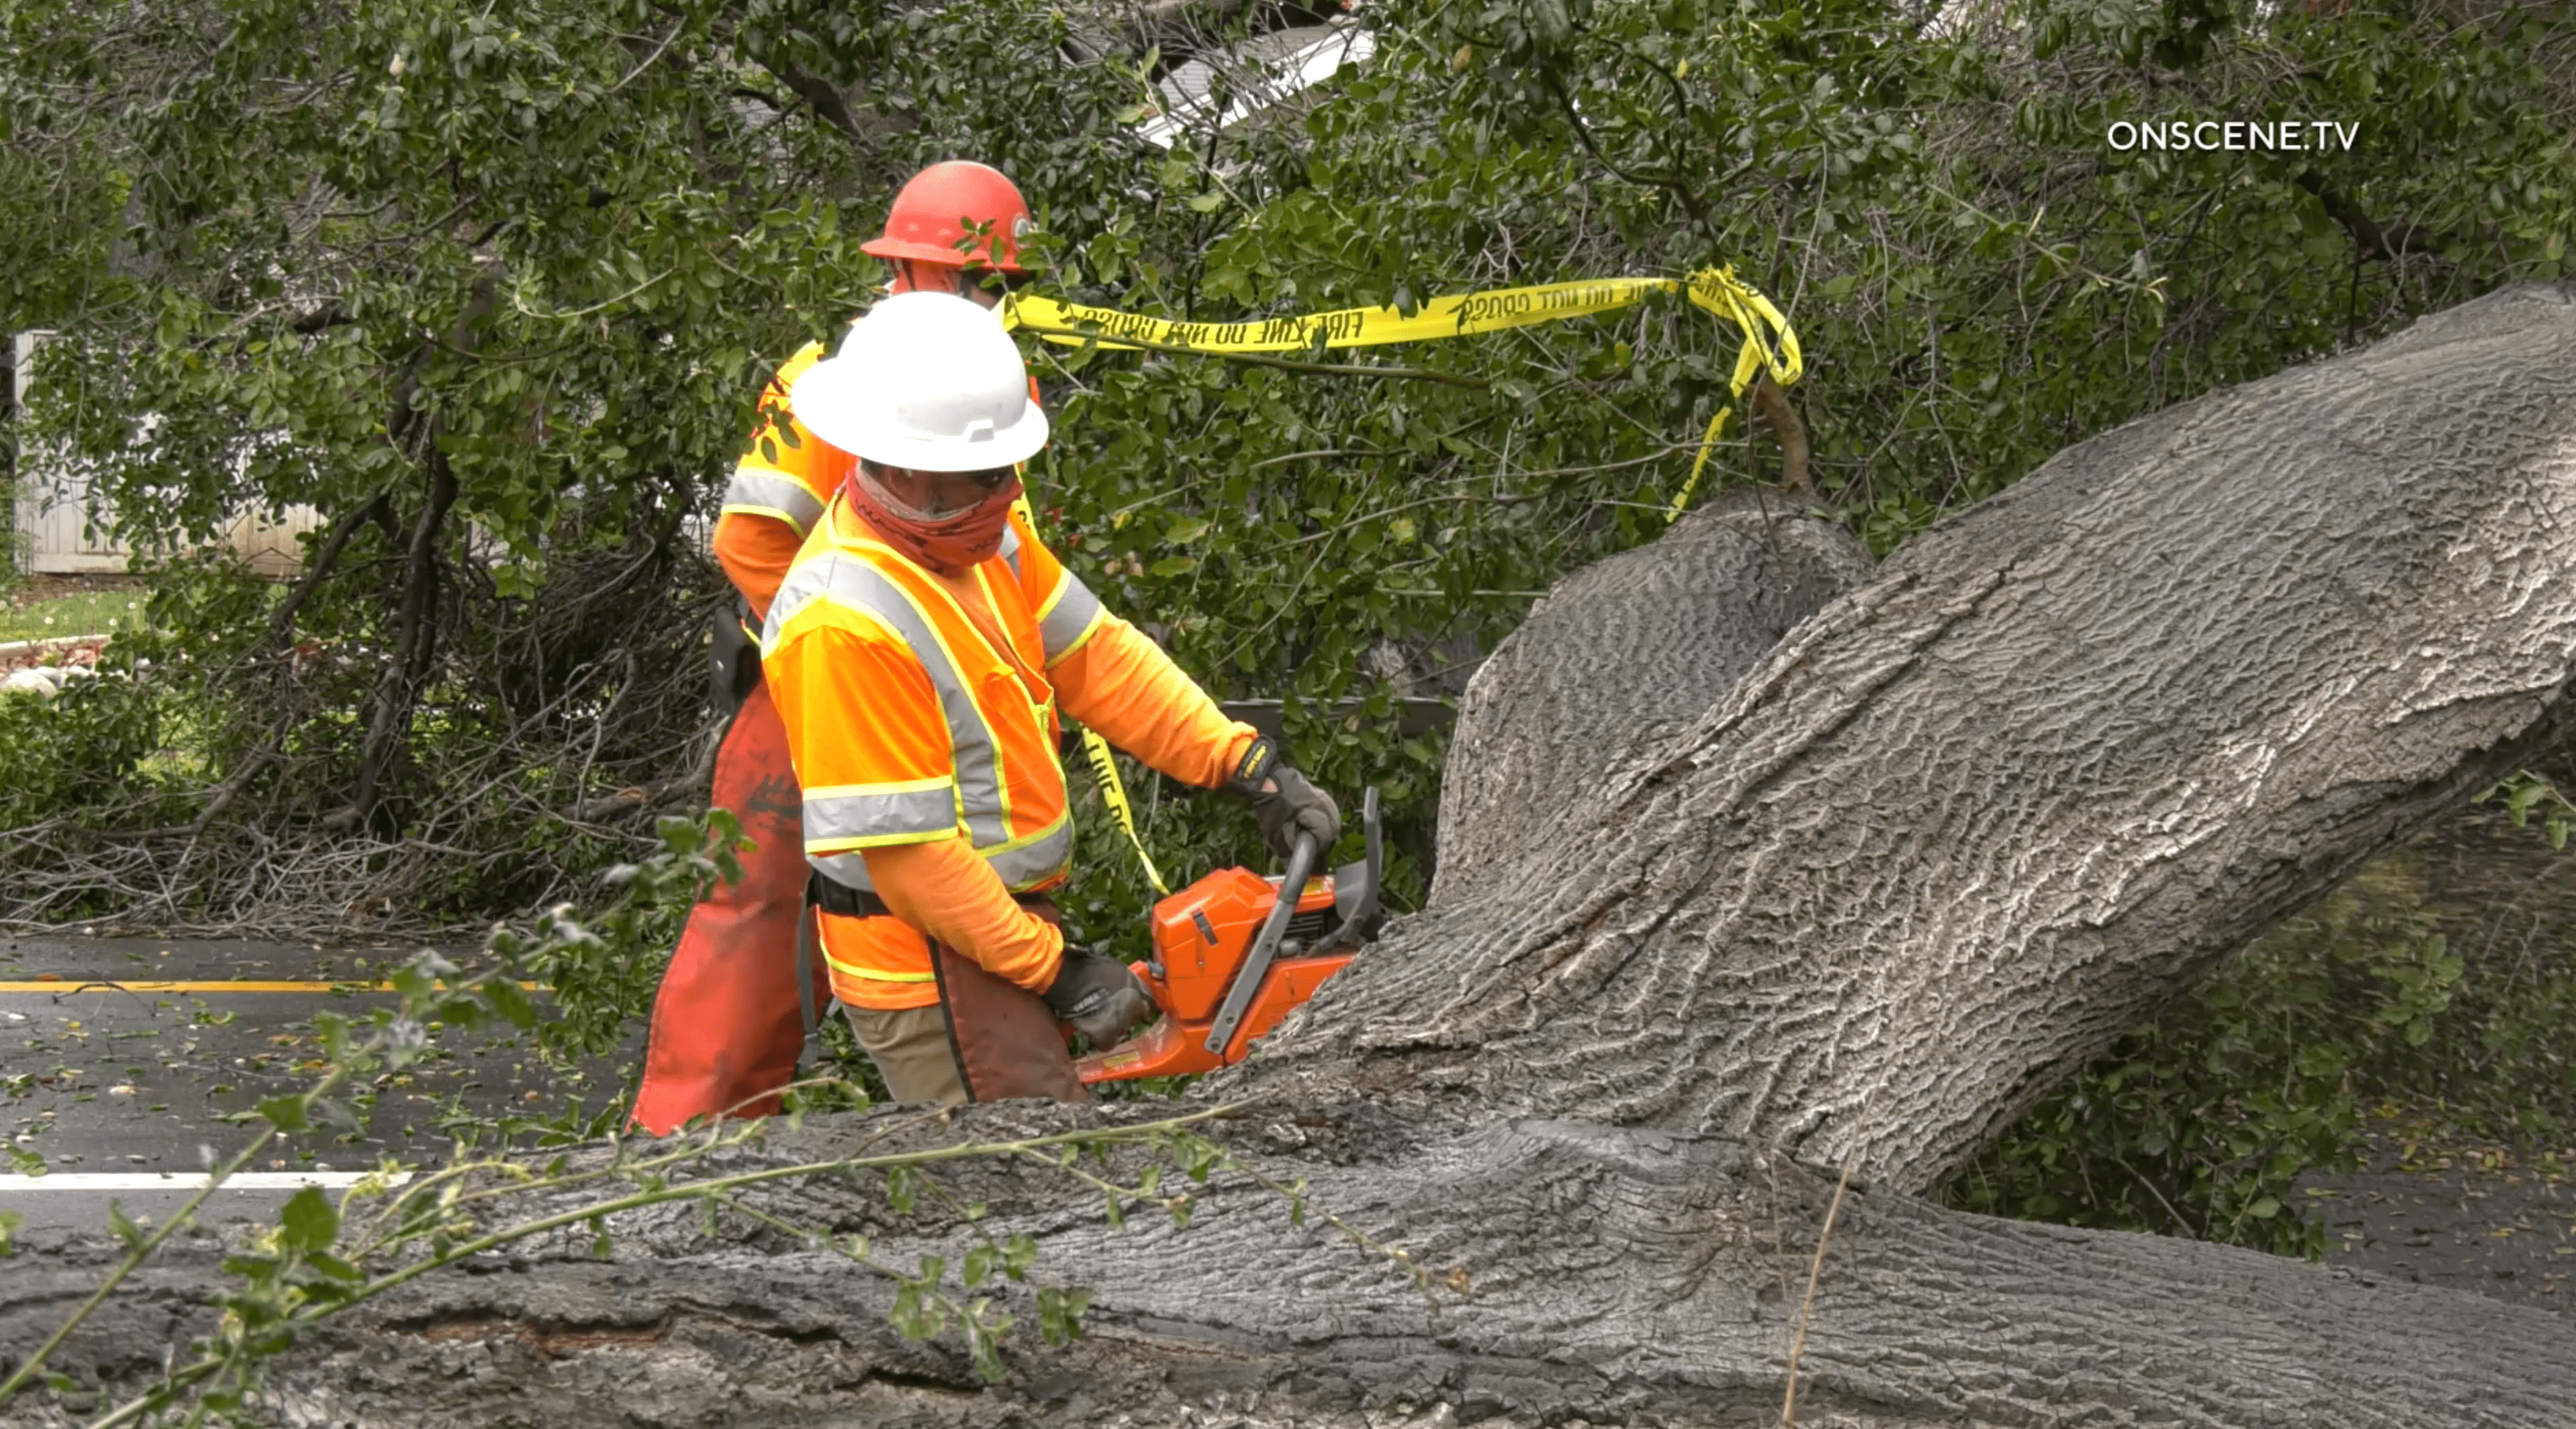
{"points": [[60, 530]]}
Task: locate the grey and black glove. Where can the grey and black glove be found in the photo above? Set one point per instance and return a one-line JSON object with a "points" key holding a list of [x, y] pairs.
{"points": [[1099, 996], [1284, 801]]}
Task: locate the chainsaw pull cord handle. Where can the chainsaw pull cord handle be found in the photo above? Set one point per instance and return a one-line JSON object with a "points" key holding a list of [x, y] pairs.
{"points": [[1302, 858]]}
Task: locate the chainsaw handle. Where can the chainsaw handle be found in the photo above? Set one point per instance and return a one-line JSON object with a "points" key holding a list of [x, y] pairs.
{"points": [[1303, 855]]}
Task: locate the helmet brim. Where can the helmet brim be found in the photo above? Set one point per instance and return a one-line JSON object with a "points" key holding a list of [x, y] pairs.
{"points": [[830, 400], [891, 248]]}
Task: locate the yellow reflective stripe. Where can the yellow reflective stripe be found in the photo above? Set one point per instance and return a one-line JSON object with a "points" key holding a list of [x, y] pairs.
{"points": [[1000, 791], [900, 786], [1024, 840], [739, 509], [849, 843], [874, 974], [999, 788], [786, 609], [1068, 619], [1028, 861], [765, 490]]}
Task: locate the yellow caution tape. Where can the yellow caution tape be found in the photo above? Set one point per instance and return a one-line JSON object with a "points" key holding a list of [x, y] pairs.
{"points": [[1769, 344], [1113, 791]]}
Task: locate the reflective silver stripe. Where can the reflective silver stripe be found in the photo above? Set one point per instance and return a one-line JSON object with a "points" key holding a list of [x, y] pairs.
{"points": [[755, 490], [1036, 861], [1020, 868], [1011, 548], [1066, 618], [849, 581], [854, 815]]}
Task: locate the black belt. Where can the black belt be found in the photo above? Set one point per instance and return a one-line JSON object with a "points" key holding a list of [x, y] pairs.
{"points": [[833, 896]]}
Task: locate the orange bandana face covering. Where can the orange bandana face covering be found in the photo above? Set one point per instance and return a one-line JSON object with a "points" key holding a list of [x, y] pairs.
{"points": [[949, 545]]}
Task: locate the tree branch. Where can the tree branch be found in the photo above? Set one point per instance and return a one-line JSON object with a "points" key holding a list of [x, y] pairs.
{"points": [[2385, 245], [819, 95]]}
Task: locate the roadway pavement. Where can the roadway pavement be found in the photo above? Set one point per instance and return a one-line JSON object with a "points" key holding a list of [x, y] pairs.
{"points": [[120, 1059]]}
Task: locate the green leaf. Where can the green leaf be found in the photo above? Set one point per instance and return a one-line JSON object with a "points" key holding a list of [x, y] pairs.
{"points": [[286, 1113], [511, 1001], [11, 1222], [333, 1266], [311, 1222], [1170, 566]]}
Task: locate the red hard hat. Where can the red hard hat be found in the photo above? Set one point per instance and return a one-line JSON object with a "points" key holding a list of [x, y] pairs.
{"points": [[943, 204]]}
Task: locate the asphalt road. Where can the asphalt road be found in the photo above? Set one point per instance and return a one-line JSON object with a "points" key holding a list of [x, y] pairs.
{"points": [[121, 1058], [2485, 1220]]}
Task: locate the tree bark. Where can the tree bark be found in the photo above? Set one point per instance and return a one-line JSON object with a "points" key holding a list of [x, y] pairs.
{"points": [[2060, 756]]}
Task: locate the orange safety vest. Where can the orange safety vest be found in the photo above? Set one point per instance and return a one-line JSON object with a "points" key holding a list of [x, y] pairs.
{"points": [[789, 473], [934, 729]]}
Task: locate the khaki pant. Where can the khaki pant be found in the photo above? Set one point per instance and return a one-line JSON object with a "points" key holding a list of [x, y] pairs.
{"points": [[911, 1050]]}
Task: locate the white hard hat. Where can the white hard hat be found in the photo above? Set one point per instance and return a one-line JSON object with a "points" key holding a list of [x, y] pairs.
{"points": [[928, 381]]}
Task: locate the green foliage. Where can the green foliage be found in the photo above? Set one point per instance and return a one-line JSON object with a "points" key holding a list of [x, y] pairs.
{"points": [[543, 254], [2198, 1124], [602, 969], [85, 748], [2526, 792]]}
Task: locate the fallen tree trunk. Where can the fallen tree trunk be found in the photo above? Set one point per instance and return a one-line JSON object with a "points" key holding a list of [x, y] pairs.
{"points": [[2060, 756]]}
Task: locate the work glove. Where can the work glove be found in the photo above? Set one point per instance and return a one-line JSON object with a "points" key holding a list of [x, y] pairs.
{"points": [[1283, 801], [1099, 996]]}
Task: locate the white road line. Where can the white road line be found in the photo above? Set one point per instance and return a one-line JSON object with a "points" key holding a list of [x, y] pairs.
{"points": [[165, 1181]]}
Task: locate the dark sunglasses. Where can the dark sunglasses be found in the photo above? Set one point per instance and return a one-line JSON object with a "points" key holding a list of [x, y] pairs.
{"points": [[992, 480]]}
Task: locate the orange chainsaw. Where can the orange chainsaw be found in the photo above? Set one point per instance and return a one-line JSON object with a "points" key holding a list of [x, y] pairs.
{"points": [[1232, 957]]}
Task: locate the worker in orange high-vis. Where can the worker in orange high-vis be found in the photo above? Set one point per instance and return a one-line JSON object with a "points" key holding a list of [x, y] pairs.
{"points": [[922, 651], [728, 1023]]}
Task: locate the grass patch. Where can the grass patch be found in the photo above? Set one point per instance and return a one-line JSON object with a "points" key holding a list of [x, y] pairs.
{"points": [[89, 612]]}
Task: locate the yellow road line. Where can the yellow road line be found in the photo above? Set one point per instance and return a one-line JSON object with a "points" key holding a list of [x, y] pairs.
{"points": [[52, 985]]}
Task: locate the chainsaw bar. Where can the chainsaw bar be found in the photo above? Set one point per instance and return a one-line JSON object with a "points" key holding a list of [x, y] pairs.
{"points": [[1265, 947]]}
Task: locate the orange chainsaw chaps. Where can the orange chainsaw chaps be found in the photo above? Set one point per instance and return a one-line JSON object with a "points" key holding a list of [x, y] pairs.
{"points": [[727, 1024]]}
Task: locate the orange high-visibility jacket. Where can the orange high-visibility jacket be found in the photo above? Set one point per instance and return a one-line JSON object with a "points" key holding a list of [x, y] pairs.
{"points": [[778, 489], [922, 717]]}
